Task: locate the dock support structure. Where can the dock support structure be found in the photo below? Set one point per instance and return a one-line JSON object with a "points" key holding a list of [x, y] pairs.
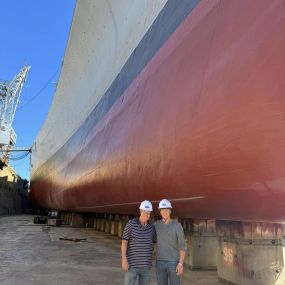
{"points": [[109, 223], [250, 253], [114, 225], [66, 217], [201, 244], [121, 224], [77, 221]]}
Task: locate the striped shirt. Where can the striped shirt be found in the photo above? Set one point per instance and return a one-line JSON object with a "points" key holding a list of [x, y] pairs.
{"points": [[140, 243]]}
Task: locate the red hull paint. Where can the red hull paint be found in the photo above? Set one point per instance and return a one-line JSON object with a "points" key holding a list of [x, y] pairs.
{"points": [[203, 124]]}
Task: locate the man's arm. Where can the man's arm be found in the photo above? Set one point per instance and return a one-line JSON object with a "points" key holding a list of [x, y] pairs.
{"points": [[179, 268], [182, 249], [125, 264]]}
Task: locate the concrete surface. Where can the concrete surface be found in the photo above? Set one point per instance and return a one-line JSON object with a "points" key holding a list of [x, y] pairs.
{"points": [[33, 254], [13, 192]]}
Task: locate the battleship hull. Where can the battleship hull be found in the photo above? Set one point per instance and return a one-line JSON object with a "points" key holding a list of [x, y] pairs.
{"points": [[194, 113]]}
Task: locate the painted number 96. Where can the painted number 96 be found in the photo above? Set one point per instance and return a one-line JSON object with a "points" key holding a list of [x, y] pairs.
{"points": [[228, 254]]}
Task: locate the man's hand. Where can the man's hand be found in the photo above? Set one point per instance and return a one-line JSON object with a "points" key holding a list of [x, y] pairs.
{"points": [[179, 269], [125, 264]]}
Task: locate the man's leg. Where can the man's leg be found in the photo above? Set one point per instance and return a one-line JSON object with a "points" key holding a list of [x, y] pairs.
{"points": [[131, 276], [173, 277], [161, 272], [144, 276]]}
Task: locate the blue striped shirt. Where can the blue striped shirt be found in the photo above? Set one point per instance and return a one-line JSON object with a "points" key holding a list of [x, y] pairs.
{"points": [[140, 243]]}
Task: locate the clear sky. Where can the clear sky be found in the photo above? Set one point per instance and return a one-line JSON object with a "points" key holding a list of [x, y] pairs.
{"points": [[35, 33]]}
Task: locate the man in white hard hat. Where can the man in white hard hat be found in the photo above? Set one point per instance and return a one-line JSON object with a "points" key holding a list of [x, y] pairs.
{"points": [[171, 247], [137, 247]]}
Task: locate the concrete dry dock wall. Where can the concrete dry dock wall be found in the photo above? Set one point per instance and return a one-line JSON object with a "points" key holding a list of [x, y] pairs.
{"points": [[12, 202], [13, 192]]}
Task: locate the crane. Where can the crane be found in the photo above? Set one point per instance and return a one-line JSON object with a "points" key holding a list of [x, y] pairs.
{"points": [[9, 98]]}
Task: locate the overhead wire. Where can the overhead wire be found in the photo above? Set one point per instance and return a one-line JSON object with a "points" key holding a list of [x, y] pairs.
{"points": [[20, 156], [41, 90]]}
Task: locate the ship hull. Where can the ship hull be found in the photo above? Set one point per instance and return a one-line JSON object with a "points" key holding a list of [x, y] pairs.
{"points": [[200, 124]]}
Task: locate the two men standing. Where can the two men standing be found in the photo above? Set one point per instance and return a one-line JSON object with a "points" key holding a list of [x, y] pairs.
{"points": [[137, 247]]}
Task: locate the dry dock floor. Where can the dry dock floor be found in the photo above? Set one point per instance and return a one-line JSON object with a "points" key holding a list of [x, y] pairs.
{"points": [[33, 254]]}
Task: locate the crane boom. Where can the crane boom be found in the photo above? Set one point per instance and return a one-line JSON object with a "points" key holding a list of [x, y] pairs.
{"points": [[9, 99]]}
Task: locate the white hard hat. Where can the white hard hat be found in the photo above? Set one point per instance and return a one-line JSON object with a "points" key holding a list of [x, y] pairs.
{"points": [[164, 204], [146, 206]]}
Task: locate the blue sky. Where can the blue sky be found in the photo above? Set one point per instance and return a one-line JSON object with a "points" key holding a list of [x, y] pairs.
{"points": [[35, 33]]}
